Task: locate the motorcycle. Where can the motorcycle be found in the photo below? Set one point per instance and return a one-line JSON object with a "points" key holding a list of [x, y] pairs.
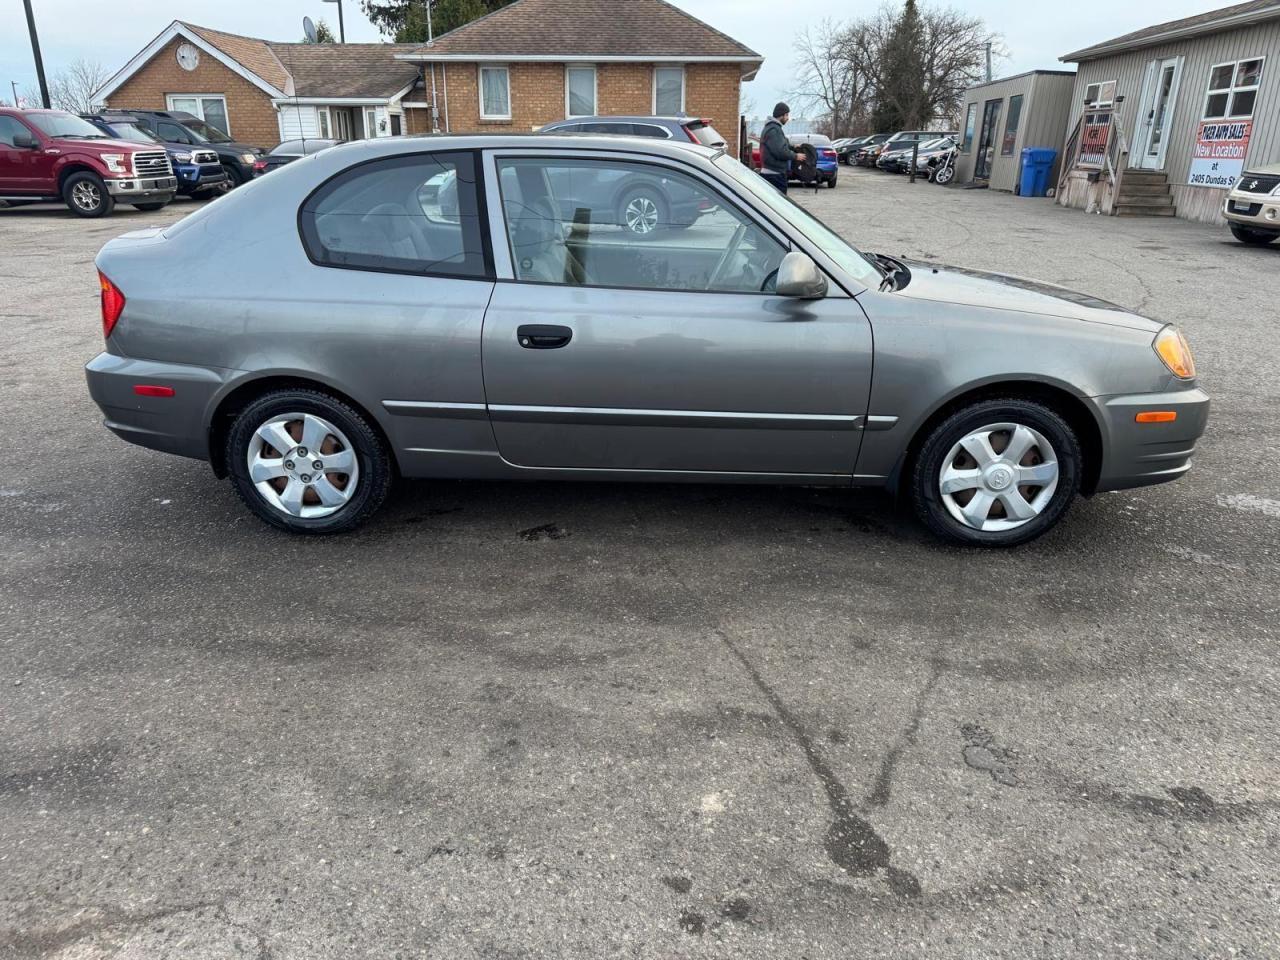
{"points": [[942, 168]]}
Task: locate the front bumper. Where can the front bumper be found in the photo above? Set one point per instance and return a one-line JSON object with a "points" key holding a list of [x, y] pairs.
{"points": [[133, 188], [1139, 454], [1258, 211], [176, 424], [204, 177]]}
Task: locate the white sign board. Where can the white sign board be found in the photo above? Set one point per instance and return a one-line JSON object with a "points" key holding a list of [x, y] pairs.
{"points": [[1217, 158]]}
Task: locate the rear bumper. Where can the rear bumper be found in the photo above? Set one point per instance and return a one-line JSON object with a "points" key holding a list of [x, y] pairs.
{"points": [[176, 424], [1139, 454]]}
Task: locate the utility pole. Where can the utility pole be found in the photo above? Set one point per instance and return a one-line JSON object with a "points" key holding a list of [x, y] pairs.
{"points": [[14, 85], [35, 51], [342, 30]]}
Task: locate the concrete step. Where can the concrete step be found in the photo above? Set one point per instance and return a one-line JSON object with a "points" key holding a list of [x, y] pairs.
{"points": [[1144, 210], [1130, 201], [1132, 173]]}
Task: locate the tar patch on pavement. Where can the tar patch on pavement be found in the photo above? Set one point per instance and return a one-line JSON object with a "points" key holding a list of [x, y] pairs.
{"points": [[548, 531], [678, 884], [694, 923]]}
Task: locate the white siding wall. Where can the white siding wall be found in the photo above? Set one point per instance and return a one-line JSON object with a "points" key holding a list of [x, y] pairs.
{"points": [[298, 122], [1200, 54]]}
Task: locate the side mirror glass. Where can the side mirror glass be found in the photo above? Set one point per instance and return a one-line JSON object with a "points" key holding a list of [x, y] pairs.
{"points": [[799, 276], [24, 141]]}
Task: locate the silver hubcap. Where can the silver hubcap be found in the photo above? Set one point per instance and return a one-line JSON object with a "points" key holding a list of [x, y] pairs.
{"points": [[999, 477], [303, 465], [641, 215], [85, 195]]}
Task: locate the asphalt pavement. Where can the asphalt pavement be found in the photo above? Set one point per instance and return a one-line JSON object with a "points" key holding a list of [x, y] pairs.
{"points": [[582, 720]]}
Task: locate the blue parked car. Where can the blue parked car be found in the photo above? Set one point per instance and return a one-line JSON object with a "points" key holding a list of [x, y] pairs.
{"points": [[828, 158], [198, 170]]}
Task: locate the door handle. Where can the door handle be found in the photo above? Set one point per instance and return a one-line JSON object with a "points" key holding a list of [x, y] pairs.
{"points": [[542, 336]]}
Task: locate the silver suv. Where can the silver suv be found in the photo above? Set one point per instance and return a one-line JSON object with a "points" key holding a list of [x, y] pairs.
{"points": [[1253, 206]]}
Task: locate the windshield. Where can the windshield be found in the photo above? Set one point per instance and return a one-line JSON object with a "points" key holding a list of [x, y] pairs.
{"points": [[66, 125], [131, 131], [850, 260], [205, 133]]}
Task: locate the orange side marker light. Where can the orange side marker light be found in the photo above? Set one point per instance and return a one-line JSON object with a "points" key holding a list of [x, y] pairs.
{"points": [[1157, 416]]}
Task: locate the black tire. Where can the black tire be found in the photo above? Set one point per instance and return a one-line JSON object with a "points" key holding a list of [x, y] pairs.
{"points": [[373, 460], [234, 177], [151, 207], [1254, 238], [926, 494], [944, 175], [661, 207], [832, 183], [86, 195]]}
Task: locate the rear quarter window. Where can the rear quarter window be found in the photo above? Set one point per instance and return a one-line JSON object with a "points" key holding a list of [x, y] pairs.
{"points": [[416, 214]]}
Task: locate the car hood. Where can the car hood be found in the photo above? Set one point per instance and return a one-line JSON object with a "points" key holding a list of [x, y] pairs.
{"points": [[1266, 169], [108, 145], [998, 291]]}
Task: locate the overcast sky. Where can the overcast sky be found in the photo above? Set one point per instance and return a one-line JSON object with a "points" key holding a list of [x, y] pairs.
{"points": [[1036, 34]]}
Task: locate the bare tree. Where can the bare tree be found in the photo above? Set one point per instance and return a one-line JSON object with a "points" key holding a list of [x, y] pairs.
{"points": [[72, 89], [828, 82]]}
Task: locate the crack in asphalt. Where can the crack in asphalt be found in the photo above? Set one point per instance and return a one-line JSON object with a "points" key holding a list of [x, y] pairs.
{"points": [[883, 788], [852, 843]]}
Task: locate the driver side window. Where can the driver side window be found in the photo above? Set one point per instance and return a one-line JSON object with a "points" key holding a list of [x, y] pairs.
{"points": [[616, 223]]}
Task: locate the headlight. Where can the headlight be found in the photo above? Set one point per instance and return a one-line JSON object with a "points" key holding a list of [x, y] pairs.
{"points": [[1172, 347], [182, 157], [246, 158], [114, 162]]}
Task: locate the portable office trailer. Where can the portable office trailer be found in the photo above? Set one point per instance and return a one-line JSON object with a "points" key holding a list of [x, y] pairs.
{"points": [[1002, 117], [1193, 103]]}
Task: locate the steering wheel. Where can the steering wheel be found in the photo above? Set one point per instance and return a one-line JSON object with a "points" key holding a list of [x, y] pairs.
{"points": [[729, 251]]}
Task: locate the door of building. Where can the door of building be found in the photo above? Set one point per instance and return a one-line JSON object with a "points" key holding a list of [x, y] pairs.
{"points": [[987, 140], [1159, 99]]}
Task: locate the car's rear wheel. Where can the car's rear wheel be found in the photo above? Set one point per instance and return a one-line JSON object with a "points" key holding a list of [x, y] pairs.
{"points": [[832, 182], [642, 212], [1254, 238], [86, 195], [307, 462], [150, 207], [997, 473]]}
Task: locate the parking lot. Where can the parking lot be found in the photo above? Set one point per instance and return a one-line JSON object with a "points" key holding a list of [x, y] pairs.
{"points": [[581, 720]]}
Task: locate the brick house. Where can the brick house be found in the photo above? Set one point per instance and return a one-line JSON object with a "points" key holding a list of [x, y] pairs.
{"points": [[535, 61], [522, 66], [262, 92]]}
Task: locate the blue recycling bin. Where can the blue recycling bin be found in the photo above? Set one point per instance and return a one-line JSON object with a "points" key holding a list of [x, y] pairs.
{"points": [[1037, 164]]}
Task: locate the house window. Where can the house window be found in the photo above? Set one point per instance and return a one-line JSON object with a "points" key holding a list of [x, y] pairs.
{"points": [[495, 93], [1100, 95], [970, 123], [322, 120], [211, 108], [370, 122], [668, 91], [1011, 126], [580, 91], [1233, 89]]}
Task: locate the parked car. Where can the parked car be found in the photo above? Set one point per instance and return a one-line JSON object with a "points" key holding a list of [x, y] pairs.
{"points": [[899, 159], [52, 155], [185, 129], [287, 152], [870, 155], [505, 341], [930, 151], [852, 146], [692, 129], [1253, 206], [828, 164], [198, 171]]}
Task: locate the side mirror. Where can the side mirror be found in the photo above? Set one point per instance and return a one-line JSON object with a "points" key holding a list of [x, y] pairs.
{"points": [[24, 141], [799, 276]]}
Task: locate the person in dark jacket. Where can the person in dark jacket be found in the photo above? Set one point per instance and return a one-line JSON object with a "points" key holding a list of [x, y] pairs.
{"points": [[776, 153]]}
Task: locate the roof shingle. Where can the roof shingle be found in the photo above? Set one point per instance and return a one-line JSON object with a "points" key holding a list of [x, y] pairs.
{"points": [[586, 28], [1203, 23], [342, 70]]}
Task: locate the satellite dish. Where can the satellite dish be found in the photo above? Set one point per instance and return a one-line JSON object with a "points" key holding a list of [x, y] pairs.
{"points": [[308, 30]]}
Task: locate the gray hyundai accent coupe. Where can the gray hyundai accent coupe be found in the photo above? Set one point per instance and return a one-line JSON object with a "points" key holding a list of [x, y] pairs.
{"points": [[478, 307]]}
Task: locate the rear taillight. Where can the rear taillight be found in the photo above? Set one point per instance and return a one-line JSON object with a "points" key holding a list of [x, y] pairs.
{"points": [[112, 304], [259, 166]]}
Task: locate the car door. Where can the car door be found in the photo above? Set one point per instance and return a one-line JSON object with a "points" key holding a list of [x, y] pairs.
{"points": [[20, 166], [604, 350]]}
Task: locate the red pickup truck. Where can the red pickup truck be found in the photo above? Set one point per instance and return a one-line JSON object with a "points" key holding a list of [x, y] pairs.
{"points": [[51, 155]]}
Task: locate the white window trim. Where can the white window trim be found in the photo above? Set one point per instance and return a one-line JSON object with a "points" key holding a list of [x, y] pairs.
{"points": [[595, 89], [1232, 90], [480, 69], [683, 85], [1097, 104], [170, 97]]}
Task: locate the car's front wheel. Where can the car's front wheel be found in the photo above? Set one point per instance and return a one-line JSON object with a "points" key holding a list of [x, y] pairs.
{"points": [[997, 473], [86, 195], [1255, 238], [307, 462]]}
